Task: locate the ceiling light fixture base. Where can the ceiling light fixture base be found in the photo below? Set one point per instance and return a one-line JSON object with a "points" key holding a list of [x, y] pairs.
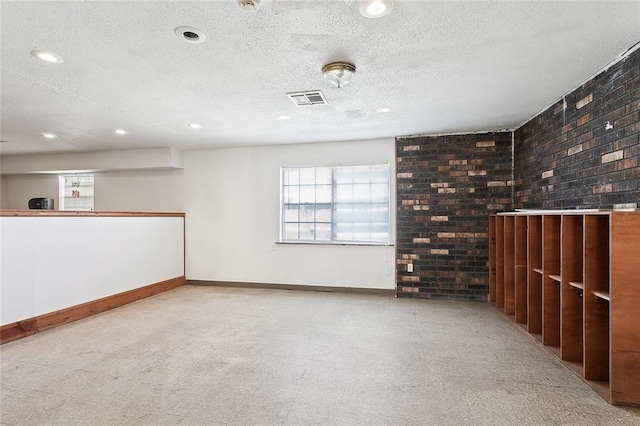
{"points": [[249, 5], [339, 73]]}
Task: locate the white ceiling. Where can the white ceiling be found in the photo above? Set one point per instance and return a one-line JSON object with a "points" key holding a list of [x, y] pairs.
{"points": [[443, 67]]}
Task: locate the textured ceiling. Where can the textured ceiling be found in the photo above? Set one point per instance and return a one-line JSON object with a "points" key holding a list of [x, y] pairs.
{"points": [[442, 66]]}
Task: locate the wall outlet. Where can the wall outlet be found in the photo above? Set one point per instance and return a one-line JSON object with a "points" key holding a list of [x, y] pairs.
{"points": [[410, 267]]}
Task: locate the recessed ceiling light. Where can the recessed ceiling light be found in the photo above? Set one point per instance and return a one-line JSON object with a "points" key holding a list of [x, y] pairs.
{"points": [[284, 117], [195, 125], [120, 132], [190, 34], [382, 110], [375, 8], [249, 5], [47, 56], [49, 135]]}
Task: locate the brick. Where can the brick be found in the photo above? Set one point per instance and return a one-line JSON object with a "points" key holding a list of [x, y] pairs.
{"points": [[613, 156], [404, 175], [446, 190], [477, 173], [584, 101], [601, 189], [439, 251], [446, 234], [421, 240], [582, 120], [411, 148], [497, 183], [439, 185], [457, 162], [410, 278], [485, 144], [547, 174], [574, 150], [439, 218]]}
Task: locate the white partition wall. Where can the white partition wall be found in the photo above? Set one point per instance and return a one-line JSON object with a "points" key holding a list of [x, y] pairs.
{"points": [[50, 263]]}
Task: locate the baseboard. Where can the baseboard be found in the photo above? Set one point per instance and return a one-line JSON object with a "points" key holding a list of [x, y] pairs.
{"points": [[295, 287], [29, 326]]}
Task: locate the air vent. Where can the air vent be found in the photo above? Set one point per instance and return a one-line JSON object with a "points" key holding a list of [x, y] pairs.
{"points": [[308, 98]]}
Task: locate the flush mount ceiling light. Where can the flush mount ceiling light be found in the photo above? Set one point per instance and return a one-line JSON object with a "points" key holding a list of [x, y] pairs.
{"points": [[120, 132], [190, 34], [249, 5], [375, 8], [339, 73], [195, 125], [49, 135], [45, 55], [383, 110]]}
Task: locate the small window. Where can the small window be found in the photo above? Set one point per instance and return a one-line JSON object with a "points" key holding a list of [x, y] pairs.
{"points": [[335, 204], [76, 192]]}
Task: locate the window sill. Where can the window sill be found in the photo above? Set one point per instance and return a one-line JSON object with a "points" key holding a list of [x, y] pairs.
{"points": [[326, 243]]}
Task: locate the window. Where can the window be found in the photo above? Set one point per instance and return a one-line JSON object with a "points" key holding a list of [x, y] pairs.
{"points": [[76, 192], [335, 204]]}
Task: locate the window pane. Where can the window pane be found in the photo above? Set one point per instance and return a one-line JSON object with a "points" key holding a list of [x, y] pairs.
{"points": [[344, 174], [290, 231], [344, 193], [323, 232], [307, 194], [323, 194], [379, 192], [307, 231], [292, 194], [361, 174], [323, 214], [380, 173], [323, 175], [292, 176], [308, 176], [307, 213], [361, 192], [291, 214]]}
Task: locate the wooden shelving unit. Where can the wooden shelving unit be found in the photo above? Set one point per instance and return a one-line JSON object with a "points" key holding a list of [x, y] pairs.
{"points": [[572, 279]]}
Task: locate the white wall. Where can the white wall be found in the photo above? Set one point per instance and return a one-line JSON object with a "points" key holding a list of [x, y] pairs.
{"points": [[232, 201], [51, 263], [144, 191], [141, 191], [231, 198], [18, 189]]}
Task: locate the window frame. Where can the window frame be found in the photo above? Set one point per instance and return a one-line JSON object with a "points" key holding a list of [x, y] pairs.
{"points": [[332, 204], [62, 186]]}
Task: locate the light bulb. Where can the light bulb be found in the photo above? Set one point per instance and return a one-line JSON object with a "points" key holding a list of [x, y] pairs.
{"points": [[376, 8]]}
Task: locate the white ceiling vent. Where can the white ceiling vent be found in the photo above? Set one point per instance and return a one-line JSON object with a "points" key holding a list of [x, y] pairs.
{"points": [[308, 98]]}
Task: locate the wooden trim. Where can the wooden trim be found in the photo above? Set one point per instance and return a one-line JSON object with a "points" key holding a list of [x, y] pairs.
{"points": [[68, 213], [29, 326], [296, 287]]}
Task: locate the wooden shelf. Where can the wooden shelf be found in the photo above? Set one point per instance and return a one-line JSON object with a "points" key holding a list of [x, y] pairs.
{"points": [[590, 253], [579, 286]]}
